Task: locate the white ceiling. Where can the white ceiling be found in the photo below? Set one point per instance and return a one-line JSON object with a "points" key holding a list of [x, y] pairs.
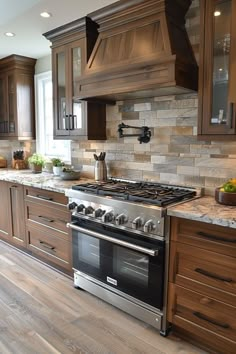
{"points": [[23, 18]]}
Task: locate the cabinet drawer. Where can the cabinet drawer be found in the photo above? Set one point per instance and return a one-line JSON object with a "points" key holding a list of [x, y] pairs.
{"points": [[49, 245], [45, 197], [50, 217], [204, 271], [212, 237], [204, 312]]}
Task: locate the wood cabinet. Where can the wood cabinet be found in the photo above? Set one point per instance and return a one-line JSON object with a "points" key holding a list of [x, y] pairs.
{"points": [[71, 47], [217, 89], [17, 215], [5, 211], [47, 235], [17, 98], [12, 225], [202, 284]]}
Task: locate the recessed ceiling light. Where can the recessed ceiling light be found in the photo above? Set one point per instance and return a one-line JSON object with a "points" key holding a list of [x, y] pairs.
{"points": [[220, 69], [45, 14], [217, 13], [9, 34]]}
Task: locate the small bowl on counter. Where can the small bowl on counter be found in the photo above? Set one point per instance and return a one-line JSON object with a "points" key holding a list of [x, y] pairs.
{"points": [[69, 175], [226, 198]]}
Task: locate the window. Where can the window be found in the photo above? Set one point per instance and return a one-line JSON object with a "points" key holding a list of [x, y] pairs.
{"points": [[45, 144]]}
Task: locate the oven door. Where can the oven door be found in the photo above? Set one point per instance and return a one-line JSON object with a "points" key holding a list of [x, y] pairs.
{"points": [[127, 262]]}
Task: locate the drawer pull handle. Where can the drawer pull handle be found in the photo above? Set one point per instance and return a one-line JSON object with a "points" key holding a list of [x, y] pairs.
{"points": [[212, 275], [45, 219], [44, 197], [216, 238], [210, 320], [46, 245]]}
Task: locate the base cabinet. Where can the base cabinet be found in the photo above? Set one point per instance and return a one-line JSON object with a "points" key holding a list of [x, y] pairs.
{"points": [[46, 232], [12, 225], [202, 284], [17, 216], [5, 211]]}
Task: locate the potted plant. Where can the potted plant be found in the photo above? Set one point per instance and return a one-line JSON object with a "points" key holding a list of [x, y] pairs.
{"points": [[57, 166], [36, 162]]}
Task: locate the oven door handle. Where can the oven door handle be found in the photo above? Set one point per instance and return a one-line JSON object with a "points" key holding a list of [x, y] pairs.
{"points": [[141, 249]]}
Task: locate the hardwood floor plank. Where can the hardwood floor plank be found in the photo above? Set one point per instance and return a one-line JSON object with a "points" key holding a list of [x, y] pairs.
{"points": [[41, 312]]}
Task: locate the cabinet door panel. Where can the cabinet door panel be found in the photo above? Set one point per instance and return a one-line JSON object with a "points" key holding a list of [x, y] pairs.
{"points": [[3, 105], [17, 213], [200, 234], [197, 269], [5, 211], [202, 318], [49, 245], [217, 108], [206, 312], [61, 111], [50, 217]]}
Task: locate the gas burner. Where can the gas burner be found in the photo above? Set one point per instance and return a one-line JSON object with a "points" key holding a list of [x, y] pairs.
{"points": [[139, 192]]}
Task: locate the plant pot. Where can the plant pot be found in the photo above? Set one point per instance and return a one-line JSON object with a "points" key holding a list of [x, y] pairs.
{"points": [[35, 168], [57, 170], [225, 198]]}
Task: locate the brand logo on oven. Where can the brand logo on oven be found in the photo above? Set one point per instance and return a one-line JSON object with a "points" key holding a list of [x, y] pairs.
{"points": [[112, 281]]}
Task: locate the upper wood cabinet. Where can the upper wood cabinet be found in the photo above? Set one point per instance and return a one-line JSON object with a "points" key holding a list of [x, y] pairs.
{"points": [[71, 46], [17, 98], [217, 88]]}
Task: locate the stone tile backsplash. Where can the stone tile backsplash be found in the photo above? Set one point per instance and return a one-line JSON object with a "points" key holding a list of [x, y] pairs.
{"points": [[174, 153]]}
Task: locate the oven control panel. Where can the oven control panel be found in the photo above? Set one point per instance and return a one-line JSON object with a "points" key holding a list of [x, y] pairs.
{"points": [[122, 215]]}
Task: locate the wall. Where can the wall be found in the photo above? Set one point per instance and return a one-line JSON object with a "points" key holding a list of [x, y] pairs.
{"points": [[8, 146], [174, 153], [43, 64]]}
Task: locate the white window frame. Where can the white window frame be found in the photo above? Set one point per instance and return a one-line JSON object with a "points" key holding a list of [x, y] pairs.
{"points": [[64, 152]]}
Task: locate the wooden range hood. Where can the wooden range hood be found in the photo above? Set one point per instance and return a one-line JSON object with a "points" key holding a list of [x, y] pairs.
{"points": [[142, 50]]}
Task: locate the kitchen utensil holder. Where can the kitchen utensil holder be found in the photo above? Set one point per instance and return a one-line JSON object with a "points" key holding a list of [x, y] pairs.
{"points": [[100, 171]]}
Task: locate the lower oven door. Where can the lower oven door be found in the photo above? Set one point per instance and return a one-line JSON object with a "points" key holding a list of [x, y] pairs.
{"points": [[125, 261]]}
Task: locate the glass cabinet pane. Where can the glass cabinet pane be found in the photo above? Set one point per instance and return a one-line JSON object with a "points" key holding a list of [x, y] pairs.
{"points": [[61, 91], [11, 94], [221, 51], [2, 105], [76, 67]]}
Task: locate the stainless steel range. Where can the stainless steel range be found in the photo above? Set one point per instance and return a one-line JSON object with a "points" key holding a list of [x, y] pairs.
{"points": [[120, 233]]}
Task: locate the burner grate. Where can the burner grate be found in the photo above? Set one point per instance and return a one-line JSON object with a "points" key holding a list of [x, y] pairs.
{"points": [[139, 192]]}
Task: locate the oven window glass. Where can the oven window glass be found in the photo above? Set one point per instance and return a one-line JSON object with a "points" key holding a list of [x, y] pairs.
{"points": [[89, 250], [131, 265]]}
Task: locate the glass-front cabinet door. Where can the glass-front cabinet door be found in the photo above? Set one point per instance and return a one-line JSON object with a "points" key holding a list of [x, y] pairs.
{"points": [[68, 111], [11, 91], [3, 105], [76, 64], [217, 85], [61, 121]]}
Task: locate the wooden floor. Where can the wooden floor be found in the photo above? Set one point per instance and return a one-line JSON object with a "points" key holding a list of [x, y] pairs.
{"points": [[41, 312]]}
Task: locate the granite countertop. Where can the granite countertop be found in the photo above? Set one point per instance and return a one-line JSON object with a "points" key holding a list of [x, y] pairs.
{"points": [[42, 180], [206, 209]]}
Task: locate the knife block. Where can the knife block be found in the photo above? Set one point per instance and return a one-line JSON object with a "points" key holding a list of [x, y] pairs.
{"points": [[19, 164]]}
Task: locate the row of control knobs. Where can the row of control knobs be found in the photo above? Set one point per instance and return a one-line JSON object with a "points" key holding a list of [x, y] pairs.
{"points": [[121, 219]]}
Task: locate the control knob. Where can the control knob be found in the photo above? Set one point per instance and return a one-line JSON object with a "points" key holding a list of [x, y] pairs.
{"points": [[80, 208], [98, 213], [137, 223], [108, 216], [88, 210], [71, 206], [121, 219], [149, 226]]}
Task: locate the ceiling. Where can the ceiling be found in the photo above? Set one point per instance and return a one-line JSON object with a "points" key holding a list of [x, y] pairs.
{"points": [[23, 18]]}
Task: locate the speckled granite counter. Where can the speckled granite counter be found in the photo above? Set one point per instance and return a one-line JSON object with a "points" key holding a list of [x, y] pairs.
{"points": [[206, 209], [42, 180]]}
